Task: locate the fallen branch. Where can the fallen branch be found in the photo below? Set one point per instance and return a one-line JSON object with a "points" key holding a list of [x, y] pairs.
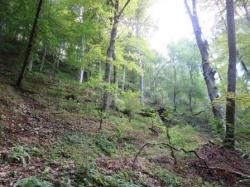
{"points": [[198, 113], [138, 153], [237, 173], [172, 149]]}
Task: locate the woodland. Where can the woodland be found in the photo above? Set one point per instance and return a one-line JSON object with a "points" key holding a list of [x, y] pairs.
{"points": [[86, 101]]}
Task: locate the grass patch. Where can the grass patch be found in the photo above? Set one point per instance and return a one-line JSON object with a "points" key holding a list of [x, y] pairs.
{"points": [[185, 136], [168, 179], [107, 145], [76, 147]]}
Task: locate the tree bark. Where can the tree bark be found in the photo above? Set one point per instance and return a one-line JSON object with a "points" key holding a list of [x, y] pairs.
{"points": [[229, 140], [30, 44], [208, 71]]}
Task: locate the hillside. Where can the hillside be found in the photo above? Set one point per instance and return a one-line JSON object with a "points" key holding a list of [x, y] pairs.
{"points": [[47, 139]]}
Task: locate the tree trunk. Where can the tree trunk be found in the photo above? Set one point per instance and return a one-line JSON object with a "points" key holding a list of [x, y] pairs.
{"points": [[110, 56], [175, 87], [81, 75], [208, 71], [30, 44], [111, 50], [43, 57], [247, 14], [100, 71], [115, 75], [246, 9], [123, 77], [114, 101], [142, 83], [190, 89], [30, 65], [229, 140]]}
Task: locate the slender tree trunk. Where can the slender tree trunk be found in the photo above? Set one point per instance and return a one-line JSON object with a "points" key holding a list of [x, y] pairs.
{"points": [[116, 81], [190, 89], [1, 31], [43, 57], [246, 9], [81, 75], [175, 87], [123, 77], [111, 50], [229, 140], [30, 44], [239, 56], [142, 82], [30, 65], [208, 71], [115, 75], [100, 71], [116, 86]]}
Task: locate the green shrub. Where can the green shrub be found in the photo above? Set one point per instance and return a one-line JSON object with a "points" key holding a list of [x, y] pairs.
{"points": [[21, 154], [90, 176], [168, 178], [32, 182], [119, 179], [129, 103], [185, 136], [105, 145]]}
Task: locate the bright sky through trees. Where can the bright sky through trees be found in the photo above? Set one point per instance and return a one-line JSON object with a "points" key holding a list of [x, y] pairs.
{"points": [[173, 24]]}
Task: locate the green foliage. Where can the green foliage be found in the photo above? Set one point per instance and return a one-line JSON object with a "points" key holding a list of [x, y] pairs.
{"points": [[129, 103], [90, 176], [32, 182], [217, 127], [19, 154], [74, 146], [168, 178], [185, 136], [106, 145]]}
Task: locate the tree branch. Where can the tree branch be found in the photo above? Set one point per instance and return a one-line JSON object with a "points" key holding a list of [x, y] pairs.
{"points": [[123, 8]]}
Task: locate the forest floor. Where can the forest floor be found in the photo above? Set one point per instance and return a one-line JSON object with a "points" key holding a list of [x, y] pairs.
{"points": [[46, 137]]}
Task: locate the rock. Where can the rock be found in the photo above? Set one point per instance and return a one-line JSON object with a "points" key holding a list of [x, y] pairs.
{"points": [[2, 117]]}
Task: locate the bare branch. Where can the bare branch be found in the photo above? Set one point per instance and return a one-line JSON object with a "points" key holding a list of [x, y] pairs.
{"points": [[123, 8]]}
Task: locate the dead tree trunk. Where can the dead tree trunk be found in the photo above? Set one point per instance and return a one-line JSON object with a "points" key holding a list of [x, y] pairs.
{"points": [[30, 44], [229, 140], [208, 71]]}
